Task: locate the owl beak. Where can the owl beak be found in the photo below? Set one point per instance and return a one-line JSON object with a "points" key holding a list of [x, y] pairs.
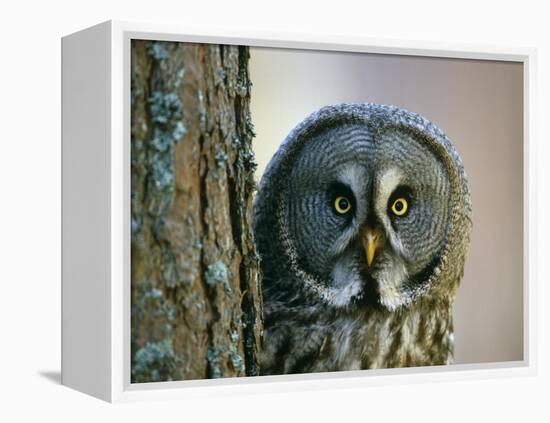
{"points": [[369, 243]]}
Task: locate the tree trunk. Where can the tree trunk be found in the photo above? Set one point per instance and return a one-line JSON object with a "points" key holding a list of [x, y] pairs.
{"points": [[196, 300]]}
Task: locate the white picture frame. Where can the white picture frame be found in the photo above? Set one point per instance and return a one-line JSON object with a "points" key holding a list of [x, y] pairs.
{"points": [[95, 226]]}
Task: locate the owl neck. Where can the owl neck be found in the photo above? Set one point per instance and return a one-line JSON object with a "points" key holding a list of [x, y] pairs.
{"points": [[315, 338]]}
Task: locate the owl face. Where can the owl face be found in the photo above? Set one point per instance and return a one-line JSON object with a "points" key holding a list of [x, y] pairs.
{"points": [[368, 214]]}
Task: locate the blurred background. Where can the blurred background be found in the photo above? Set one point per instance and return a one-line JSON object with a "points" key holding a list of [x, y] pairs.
{"points": [[479, 105]]}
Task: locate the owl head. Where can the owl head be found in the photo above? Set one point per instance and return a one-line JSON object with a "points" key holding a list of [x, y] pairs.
{"points": [[364, 204]]}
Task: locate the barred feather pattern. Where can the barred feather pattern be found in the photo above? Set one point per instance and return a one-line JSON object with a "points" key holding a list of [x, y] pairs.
{"points": [[312, 338]]}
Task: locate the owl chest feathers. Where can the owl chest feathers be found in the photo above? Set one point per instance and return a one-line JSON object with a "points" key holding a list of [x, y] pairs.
{"points": [[420, 335], [385, 339]]}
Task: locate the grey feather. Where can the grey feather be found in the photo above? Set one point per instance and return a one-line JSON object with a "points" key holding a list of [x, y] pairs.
{"points": [[325, 308]]}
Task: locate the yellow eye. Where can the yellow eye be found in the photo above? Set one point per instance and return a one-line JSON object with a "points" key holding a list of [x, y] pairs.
{"points": [[342, 205], [399, 206]]}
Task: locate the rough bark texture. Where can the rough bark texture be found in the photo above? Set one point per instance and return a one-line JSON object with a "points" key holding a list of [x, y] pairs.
{"points": [[196, 301]]}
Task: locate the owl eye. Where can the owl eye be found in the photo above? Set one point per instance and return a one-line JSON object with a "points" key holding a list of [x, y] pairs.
{"points": [[399, 206], [342, 205]]}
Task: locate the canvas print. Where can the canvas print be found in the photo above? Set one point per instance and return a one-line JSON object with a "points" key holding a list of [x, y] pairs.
{"points": [[302, 211]]}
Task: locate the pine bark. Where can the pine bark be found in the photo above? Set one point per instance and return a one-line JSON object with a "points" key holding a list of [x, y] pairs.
{"points": [[195, 279]]}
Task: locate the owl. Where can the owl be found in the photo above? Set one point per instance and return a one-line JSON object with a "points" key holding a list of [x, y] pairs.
{"points": [[362, 221]]}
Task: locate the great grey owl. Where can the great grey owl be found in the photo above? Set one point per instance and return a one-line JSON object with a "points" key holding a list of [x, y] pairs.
{"points": [[362, 221]]}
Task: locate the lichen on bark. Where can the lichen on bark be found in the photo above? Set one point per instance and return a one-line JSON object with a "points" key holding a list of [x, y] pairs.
{"points": [[195, 279]]}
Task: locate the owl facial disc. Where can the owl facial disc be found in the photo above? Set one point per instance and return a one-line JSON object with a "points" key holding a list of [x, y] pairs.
{"points": [[366, 199]]}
